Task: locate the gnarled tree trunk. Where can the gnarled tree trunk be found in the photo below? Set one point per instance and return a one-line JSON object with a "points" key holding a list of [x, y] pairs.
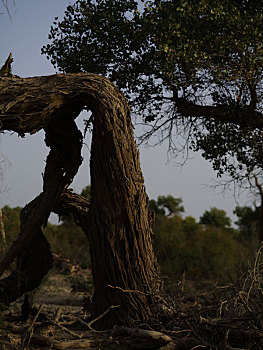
{"points": [[117, 224]]}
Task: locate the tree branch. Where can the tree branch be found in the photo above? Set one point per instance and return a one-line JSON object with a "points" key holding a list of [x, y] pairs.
{"points": [[244, 117]]}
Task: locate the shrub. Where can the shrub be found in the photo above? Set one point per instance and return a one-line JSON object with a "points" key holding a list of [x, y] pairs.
{"points": [[69, 240], [200, 252]]}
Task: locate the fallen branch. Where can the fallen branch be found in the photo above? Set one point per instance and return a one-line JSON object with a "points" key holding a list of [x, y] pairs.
{"points": [[75, 335], [102, 315], [81, 321], [140, 333], [30, 331], [58, 314]]}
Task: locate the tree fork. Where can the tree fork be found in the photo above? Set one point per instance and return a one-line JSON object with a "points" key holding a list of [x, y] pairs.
{"points": [[125, 270]]}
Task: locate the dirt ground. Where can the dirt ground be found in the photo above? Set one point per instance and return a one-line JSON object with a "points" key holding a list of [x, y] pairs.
{"points": [[58, 314], [224, 318], [60, 317]]}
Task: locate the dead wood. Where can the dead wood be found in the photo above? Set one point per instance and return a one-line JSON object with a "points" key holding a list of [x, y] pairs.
{"points": [[73, 334], [58, 314], [141, 335], [120, 338], [102, 315], [116, 221], [29, 332], [33, 263], [44, 341]]}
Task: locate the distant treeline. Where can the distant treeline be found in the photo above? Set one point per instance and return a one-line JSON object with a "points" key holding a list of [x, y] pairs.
{"points": [[206, 250]]}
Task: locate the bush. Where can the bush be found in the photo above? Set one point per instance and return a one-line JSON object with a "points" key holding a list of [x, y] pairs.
{"points": [[66, 239], [200, 252], [69, 240]]}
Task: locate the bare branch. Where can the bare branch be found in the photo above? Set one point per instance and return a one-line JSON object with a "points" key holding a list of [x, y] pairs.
{"points": [[6, 6]]}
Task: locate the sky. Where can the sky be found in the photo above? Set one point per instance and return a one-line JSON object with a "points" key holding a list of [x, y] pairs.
{"points": [[24, 34]]}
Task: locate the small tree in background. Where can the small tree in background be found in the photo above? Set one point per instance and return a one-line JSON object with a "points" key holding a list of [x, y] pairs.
{"points": [[215, 217], [68, 238], [248, 221], [199, 251], [12, 222], [166, 205]]}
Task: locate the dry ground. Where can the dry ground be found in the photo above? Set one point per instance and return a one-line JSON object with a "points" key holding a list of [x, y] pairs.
{"points": [[60, 318], [221, 318]]}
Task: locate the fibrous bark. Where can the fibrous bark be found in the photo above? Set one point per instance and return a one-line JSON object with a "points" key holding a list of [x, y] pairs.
{"points": [[116, 221]]}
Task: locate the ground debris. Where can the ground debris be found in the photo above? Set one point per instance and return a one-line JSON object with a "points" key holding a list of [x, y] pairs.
{"points": [[218, 318]]}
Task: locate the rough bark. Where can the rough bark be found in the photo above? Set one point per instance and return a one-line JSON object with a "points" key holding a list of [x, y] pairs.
{"points": [[124, 267], [260, 226], [120, 234], [2, 233], [33, 264]]}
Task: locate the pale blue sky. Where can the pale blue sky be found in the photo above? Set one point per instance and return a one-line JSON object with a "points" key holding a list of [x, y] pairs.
{"points": [[24, 35]]}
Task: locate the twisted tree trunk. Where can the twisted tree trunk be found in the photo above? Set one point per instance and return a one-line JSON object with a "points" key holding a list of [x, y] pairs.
{"points": [[116, 222]]}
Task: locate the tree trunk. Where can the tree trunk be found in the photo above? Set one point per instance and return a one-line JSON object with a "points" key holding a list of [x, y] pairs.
{"points": [[125, 270], [260, 226], [2, 233], [260, 234]]}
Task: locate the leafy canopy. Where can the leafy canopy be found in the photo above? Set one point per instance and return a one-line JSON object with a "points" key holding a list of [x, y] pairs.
{"points": [[215, 217], [248, 221], [166, 205], [188, 67]]}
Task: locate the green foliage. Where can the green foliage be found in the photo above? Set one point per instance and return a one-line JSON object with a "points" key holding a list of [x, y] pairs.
{"points": [[166, 205], [95, 35], [209, 250], [231, 149], [190, 226], [248, 221], [11, 218], [233, 30], [114, 39], [69, 240], [215, 217], [216, 47], [86, 192], [202, 52], [66, 239]]}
